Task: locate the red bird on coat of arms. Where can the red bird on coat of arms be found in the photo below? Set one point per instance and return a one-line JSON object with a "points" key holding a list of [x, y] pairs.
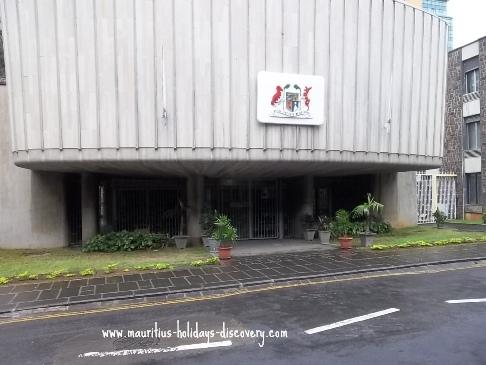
{"points": [[277, 96], [306, 96]]}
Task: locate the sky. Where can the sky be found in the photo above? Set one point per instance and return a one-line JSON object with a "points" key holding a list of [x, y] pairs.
{"points": [[469, 20]]}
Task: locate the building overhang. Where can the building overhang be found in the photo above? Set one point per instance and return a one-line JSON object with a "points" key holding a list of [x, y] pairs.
{"points": [[221, 162]]}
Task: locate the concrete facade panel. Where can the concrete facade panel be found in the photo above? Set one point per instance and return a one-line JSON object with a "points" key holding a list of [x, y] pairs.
{"points": [[32, 209], [110, 75]]}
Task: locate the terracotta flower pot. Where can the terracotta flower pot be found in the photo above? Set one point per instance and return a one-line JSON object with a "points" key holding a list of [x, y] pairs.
{"points": [[346, 242], [225, 252]]}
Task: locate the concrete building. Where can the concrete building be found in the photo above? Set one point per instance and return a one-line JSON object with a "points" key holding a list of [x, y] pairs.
{"points": [[133, 114], [465, 134], [439, 8]]}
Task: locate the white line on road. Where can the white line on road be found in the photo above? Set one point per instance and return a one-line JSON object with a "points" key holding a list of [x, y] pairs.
{"points": [[351, 320], [459, 301], [196, 346]]}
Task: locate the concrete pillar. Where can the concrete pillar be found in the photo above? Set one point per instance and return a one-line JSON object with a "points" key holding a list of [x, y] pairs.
{"points": [[398, 193], [32, 204], [307, 203], [281, 226], [89, 206], [195, 200]]}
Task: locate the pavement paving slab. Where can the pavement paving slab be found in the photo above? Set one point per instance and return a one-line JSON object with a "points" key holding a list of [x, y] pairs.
{"points": [[236, 273]]}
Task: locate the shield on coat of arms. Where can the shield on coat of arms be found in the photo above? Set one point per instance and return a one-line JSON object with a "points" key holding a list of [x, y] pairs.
{"points": [[292, 101]]}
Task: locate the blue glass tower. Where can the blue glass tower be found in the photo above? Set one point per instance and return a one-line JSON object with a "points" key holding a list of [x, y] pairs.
{"points": [[439, 8]]}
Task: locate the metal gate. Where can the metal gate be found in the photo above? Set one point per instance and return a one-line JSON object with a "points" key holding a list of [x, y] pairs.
{"points": [[252, 206], [146, 205], [435, 190]]}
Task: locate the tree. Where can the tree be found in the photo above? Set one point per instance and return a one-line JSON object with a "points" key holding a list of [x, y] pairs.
{"points": [[367, 209]]}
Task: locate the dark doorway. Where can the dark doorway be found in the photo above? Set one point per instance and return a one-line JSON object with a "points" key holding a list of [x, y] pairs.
{"points": [[341, 193], [252, 206], [149, 205]]}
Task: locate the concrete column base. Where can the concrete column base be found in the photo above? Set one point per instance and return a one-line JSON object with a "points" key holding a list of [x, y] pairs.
{"points": [[307, 204], [32, 204], [398, 193], [195, 197], [89, 206]]}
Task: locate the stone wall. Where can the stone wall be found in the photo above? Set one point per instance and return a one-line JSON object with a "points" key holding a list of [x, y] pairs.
{"points": [[453, 134], [482, 97]]}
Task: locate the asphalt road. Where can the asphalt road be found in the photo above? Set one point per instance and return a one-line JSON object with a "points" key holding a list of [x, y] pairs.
{"points": [[425, 330]]}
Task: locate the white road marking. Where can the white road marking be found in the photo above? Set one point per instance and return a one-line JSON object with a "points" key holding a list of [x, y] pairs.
{"points": [[459, 301], [205, 345], [351, 320]]}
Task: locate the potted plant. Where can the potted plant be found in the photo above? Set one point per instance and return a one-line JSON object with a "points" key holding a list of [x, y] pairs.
{"points": [[366, 210], [226, 234], [323, 230], [207, 226], [341, 227], [439, 217], [181, 239], [309, 225]]}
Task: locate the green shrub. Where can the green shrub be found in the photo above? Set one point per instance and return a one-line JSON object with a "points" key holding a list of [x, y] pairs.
{"points": [[110, 268], [126, 241], [208, 261], [308, 221], [87, 272], [207, 221], [439, 217], [380, 227], [153, 266], [430, 243], [26, 276], [23, 276], [484, 218], [55, 274], [3, 280], [143, 267], [162, 266]]}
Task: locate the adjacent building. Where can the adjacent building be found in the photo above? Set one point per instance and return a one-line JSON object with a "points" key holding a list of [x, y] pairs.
{"points": [[465, 133], [133, 114]]}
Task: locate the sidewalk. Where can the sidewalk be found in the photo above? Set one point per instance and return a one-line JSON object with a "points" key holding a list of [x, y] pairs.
{"points": [[238, 272]]}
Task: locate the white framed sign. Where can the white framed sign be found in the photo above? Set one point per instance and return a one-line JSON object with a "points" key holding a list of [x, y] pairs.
{"points": [[290, 98]]}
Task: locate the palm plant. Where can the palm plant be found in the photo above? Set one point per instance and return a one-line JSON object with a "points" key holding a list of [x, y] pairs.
{"points": [[324, 223], [341, 226], [367, 209], [224, 231]]}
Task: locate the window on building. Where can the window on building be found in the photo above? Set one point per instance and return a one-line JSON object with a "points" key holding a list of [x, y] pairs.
{"points": [[473, 188], [472, 81], [473, 136]]}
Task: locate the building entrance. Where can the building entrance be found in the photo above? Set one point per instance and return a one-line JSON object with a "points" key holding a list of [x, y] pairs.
{"points": [[253, 206]]}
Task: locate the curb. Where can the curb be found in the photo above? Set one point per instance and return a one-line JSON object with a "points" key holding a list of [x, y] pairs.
{"points": [[248, 284]]}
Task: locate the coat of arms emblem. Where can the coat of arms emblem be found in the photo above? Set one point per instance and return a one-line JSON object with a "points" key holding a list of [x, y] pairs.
{"points": [[291, 102]]}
